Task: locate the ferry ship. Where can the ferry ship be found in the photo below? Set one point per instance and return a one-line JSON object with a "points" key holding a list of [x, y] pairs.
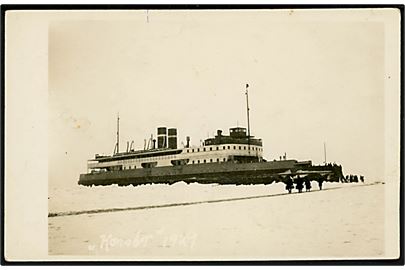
{"points": [[236, 158]]}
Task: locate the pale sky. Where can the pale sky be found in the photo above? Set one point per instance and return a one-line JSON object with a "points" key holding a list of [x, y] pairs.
{"points": [[311, 81]]}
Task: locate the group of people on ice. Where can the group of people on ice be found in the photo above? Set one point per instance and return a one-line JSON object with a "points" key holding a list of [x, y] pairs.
{"points": [[353, 179], [300, 183]]}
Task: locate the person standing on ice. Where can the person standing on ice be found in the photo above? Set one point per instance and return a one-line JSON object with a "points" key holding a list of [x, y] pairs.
{"points": [[307, 184], [289, 184], [320, 182], [299, 184]]}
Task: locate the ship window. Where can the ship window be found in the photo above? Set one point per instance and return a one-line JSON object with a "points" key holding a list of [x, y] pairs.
{"points": [[224, 159], [210, 159], [240, 148], [187, 150], [204, 148], [192, 150], [224, 147], [210, 148], [193, 161], [229, 147], [217, 148], [205, 161], [234, 147], [217, 159], [198, 149], [198, 161], [244, 147]]}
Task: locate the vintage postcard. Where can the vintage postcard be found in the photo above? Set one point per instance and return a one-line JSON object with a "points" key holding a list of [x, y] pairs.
{"points": [[202, 134]]}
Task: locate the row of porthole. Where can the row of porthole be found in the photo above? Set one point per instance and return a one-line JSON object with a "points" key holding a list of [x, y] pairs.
{"points": [[205, 161], [153, 158], [224, 148], [193, 162]]}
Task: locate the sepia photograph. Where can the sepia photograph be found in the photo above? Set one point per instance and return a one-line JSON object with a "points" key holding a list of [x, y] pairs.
{"points": [[245, 134]]}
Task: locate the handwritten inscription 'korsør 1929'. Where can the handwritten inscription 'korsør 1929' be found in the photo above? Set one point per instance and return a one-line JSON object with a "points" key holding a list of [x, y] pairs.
{"points": [[108, 242]]}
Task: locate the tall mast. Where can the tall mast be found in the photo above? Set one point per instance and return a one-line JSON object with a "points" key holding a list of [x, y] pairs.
{"points": [[324, 151], [247, 110], [118, 133]]}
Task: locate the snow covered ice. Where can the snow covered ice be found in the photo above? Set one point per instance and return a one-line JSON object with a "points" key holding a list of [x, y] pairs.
{"points": [[341, 221]]}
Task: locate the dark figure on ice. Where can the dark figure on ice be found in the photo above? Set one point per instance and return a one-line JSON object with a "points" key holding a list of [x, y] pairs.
{"points": [[307, 185], [320, 182], [299, 184], [289, 184]]}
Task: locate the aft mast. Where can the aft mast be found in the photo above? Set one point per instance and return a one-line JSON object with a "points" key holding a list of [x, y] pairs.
{"points": [[247, 110], [118, 133]]}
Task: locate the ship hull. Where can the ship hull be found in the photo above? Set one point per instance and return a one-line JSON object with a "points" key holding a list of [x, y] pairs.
{"points": [[221, 173]]}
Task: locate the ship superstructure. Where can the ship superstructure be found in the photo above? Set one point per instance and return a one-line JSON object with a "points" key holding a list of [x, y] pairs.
{"points": [[236, 147]]}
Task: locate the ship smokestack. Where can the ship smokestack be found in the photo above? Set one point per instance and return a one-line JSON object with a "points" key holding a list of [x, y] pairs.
{"points": [[218, 137], [187, 142], [162, 137], [172, 138], [153, 143]]}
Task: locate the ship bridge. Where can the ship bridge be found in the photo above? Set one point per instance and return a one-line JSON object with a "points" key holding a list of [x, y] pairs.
{"points": [[237, 135]]}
